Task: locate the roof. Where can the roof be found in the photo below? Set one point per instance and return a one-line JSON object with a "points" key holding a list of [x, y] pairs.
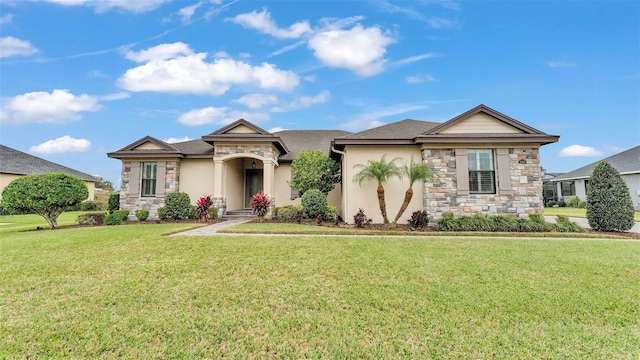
{"points": [[401, 130], [626, 162], [194, 148], [256, 134], [16, 162], [299, 140], [162, 149]]}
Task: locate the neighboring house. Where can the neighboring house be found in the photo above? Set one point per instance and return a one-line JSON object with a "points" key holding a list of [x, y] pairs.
{"points": [[548, 187], [15, 164], [574, 183], [487, 163]]}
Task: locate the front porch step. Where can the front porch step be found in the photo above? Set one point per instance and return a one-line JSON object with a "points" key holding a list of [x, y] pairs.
{"points": [[243, 214]]}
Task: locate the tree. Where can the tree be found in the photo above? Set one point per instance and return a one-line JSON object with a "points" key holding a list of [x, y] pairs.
{"points": [[414, 171], [46, 195], [103, 184], [313, 169], [609, 204], [381, 171]]}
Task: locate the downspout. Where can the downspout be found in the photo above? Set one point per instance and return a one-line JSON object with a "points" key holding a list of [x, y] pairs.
{"points": [[345, 198]]}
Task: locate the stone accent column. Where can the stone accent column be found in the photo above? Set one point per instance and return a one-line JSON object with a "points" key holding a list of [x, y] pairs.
{"points": [[268, 182], [219, 201]]}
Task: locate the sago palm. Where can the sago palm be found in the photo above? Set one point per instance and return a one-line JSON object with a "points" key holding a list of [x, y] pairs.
{"points": [[380, 170], [414, 171]]}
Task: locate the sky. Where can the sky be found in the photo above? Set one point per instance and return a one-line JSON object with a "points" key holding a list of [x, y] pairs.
{"points": [[81, 78]]}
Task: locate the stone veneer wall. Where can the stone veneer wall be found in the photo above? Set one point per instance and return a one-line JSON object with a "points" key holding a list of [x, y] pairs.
{"points": [[526, 182], [133, 202]]}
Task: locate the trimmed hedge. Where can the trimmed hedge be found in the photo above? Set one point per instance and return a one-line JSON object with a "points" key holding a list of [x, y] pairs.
{"points": [[142, 214], [314, 203], [177, 206], [113, 203], [123, 215], [91, 219], [504, 223], [287, 213]]}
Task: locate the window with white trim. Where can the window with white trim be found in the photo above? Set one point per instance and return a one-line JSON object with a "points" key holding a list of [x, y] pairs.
{"points": [[149, 173], [482, 174]]}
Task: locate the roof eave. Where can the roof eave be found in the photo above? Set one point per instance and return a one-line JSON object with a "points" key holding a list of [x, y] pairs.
{"points": [[461, 139]]}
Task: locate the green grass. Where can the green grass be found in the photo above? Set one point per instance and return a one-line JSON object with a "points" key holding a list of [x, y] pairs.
{"points": [[576, 212], [11, 223], [127, 291], [302, 229]]}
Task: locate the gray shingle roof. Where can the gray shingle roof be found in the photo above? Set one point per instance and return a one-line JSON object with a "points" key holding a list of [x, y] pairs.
{"points": [[194, 147], [405, 129], [627, 161], [17, 162], [299, 140]]}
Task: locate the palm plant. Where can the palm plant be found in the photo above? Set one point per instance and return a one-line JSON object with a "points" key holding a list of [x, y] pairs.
{"points": [[380, 170], [414, 171]]}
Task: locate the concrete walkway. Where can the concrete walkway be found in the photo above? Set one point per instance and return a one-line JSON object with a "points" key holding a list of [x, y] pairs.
{"points": [[213, 228]]}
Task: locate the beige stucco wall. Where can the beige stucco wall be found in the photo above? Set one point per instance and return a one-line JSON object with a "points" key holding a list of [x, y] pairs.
{"points": [[196, 178], [148, 146], [234, 184], [5, 179], [282, 191], [365, 196], [480, 124]]}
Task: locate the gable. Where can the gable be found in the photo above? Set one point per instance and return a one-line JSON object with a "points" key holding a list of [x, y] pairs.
{"points": [[148, 146], [242, 129], [480, 123]]}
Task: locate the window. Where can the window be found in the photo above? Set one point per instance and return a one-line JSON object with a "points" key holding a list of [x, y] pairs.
{"points": [[568, 188], [482, 175], [149, 170]]}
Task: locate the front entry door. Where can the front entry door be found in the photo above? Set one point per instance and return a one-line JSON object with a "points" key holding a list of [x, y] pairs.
{"points": [[253, 184]]}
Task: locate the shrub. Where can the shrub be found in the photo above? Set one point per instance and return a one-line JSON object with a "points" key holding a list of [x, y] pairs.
{"points": [[314, 169], [573, 202], [314, 203], [162, 213], [552, 203], [319, 219], [177, 206], [142, 214], [193, 213], [286, 213], [123, 215], [112, 219], [564, 225], [562, 203], [213, 213], [582, 205], [504, 223], [496, 223], [331, 214], [47, 195], [91, 219], [609, 204], [113, 203], [260, 204], [360, 219], [419, 219], [89, 206], [203, 204]]}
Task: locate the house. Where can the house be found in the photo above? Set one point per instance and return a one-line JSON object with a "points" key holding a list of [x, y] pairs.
{"points": [[14, 164], [487, 162], [548, 187], [574, 183]]}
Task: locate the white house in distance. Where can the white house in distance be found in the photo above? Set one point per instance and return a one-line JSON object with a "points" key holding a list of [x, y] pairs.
{"points": [[574, 183]]}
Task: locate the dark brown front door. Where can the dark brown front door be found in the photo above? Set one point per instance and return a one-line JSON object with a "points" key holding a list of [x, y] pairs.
{"points": [[253, 184]]}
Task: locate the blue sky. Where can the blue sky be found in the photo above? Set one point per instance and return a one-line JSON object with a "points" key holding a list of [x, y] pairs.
{"points": [[81, 78]]}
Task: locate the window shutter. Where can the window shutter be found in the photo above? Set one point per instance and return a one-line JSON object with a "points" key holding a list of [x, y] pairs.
{"points": [[462, 171], [134, 178], [160, 177], [504, 172]]}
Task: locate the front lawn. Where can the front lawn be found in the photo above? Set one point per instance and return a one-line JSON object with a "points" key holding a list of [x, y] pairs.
{"points": [[127, 291], [575, 212], [11, 223]]}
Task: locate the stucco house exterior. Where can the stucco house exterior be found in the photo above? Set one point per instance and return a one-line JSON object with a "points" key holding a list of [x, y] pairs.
{"points": [[574, 183], [487, 162], [15, 164]]}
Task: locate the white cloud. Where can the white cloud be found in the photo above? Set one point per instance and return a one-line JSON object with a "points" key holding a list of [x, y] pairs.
{"points": [[412, 59], [264, 23], [42, 107], [115, 96], [371, 119], [174, 68], [360, 49], [10, 46], [136, 6], [579, 150], [97, 74], [434, 22], [220, 116], [7, 19], [276, 129], [561, 64], [187, 12], [420, 78], [173, 140], [256, 101], [303, 102], [63, 144]]}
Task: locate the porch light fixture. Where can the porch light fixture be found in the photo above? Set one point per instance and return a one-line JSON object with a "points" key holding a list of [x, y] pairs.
{"points": [[253, 164]]}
